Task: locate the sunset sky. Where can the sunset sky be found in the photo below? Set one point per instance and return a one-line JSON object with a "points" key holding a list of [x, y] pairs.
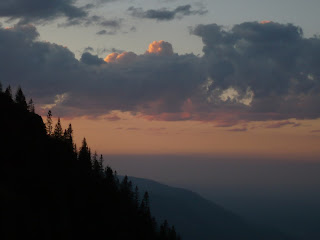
{"points": [[226, 77]]}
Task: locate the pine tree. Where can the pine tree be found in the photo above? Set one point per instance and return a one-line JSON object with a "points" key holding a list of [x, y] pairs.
{"points": [[164, 229], [49, 123], [146, 199], [85, 156], [8, 92], [31, 106], [136, 196], [95, 164], [21, 99], [101, 162], [58, 130], [69, 134]]}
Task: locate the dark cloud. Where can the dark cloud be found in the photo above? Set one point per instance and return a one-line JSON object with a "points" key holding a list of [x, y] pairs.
{"points": [[105, 32], [164, 14], [112, 118], [90, 59], [88, 49], [41, 11], [243, 129], [252, 72], [272, 62], [282, 124], [115, 23]]}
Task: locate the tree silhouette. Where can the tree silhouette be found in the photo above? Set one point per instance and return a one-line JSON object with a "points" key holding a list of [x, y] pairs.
{"points": [[21, 99], [49, 123], [58, 133], [95, 164], [8, 92], [85, 156], [31, 106]]}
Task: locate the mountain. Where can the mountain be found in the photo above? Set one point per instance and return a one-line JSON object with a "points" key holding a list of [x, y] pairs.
{"points": [[197, 218]]}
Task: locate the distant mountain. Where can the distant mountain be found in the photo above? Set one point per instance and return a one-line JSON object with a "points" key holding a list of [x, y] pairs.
{"points": [[197, 218]]}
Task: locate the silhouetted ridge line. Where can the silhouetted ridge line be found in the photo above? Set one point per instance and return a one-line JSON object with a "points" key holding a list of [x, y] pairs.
{"points": [[52, 190]]}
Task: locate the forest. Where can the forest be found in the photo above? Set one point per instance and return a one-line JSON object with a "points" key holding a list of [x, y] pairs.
{"points": [[51, 189]]}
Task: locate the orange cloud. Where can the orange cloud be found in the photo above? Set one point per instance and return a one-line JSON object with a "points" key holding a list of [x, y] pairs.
{"points": [[160, 48], [125, 57], [265, 22], [112, 57]]}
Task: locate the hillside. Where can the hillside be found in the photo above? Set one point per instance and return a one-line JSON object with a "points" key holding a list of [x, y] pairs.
{"points": [[50, 189], [198, 218]]}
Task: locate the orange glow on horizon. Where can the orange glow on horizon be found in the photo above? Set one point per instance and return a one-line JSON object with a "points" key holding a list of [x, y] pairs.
{"points": [[123, 133]]}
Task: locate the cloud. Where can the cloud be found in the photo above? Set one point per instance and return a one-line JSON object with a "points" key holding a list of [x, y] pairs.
{"points": [[164, 14], [281, 124], [124, 57], [112, 118], [88, 49], [105, 32], [90, 59], [252, 72], [41, 11], [271, 61], [243, 129], [160, 48]]}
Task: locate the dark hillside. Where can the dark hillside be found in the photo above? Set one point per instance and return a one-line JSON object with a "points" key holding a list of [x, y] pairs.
{"points": [[199, 218], [50, 190]]}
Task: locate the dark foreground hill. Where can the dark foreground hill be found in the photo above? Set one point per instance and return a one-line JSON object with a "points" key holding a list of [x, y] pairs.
{"points": [[50, 190], [198, 218]]}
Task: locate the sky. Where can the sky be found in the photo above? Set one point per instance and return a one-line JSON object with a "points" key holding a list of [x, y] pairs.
{"points": [[233, 78]]}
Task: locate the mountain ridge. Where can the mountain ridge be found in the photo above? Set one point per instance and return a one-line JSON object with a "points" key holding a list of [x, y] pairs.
{"points": [[206, 219]]}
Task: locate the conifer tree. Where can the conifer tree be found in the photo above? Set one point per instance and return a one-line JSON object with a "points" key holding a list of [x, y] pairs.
{"points": [[69, 136], [58, 130], [8, 92], [0, 87], [164, 229], [31, 106], [75, 150], [49, 123], [85, 156], [101, 162], [65, 134], [136, 196], [21, 99], [95, 164], [146, 199]]}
